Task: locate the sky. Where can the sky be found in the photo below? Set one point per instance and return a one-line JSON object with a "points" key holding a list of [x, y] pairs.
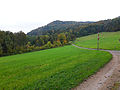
{"points": [[26, 15]]}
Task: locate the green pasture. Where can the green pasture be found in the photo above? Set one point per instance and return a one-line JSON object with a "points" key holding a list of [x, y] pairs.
{"points": [[108, 40], [53, 69]]}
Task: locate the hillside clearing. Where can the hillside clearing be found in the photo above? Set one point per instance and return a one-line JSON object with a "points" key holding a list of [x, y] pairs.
{"points": [[108, 41]]}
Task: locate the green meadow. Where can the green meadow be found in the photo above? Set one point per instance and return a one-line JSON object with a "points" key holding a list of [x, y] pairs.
{"points": [[53, 69], [108, 40]]}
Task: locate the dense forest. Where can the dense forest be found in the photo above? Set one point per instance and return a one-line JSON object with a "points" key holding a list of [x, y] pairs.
{"points": [[56, 27], [14, 43], [78, 28], [55, 34]]}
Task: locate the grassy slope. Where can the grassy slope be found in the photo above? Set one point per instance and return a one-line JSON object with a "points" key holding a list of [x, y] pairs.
{"points": [[108, 40], [61, 68]]}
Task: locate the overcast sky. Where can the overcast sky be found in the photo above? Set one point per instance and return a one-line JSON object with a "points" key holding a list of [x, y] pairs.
{"points": [[25, 15]]}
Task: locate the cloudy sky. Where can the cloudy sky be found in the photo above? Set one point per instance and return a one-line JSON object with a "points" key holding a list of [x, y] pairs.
{"points": [[25, 15]]}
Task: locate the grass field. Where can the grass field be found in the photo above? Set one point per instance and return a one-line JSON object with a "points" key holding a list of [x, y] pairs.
{"points": [[53, 69], [108, 40]]}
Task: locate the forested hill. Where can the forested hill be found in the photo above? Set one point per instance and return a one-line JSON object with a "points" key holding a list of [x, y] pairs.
{"points": [[78, 28], [56, 26], [55, 34]]}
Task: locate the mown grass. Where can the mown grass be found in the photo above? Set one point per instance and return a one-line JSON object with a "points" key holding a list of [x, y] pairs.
{"points": [[108, 40], [53, 69]]}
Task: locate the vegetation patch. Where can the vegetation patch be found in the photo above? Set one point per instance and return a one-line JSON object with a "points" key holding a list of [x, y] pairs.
{"points": [[116, 86]]}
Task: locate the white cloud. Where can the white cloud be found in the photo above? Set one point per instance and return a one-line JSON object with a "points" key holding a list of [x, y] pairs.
{"points": [[26, 15]]}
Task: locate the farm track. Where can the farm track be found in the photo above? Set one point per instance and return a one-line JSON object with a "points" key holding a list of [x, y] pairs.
{"points": [[105, 78]]}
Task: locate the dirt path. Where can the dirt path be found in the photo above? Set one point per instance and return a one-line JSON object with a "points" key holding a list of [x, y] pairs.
{"points": [[105, 78]]}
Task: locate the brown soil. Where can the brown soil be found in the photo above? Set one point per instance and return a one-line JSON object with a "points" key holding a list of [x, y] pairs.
{"points": [[106, 77]]}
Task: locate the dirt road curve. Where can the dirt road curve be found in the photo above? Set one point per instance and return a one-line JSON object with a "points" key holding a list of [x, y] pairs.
{"points": [[105, 78]]}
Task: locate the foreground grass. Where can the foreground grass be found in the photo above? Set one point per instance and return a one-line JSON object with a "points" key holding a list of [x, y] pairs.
{"points": [[108, 40], [54, 69]]}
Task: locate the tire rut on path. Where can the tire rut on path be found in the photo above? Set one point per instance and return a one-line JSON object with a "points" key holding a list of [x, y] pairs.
{"points": [[105, 78]]}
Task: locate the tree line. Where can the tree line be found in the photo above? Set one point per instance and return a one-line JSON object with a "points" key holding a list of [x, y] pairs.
{"points": [[14, 43]]}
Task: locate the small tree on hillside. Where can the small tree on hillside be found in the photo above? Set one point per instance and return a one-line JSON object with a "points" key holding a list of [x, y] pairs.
{"points": [[49, 45]]}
